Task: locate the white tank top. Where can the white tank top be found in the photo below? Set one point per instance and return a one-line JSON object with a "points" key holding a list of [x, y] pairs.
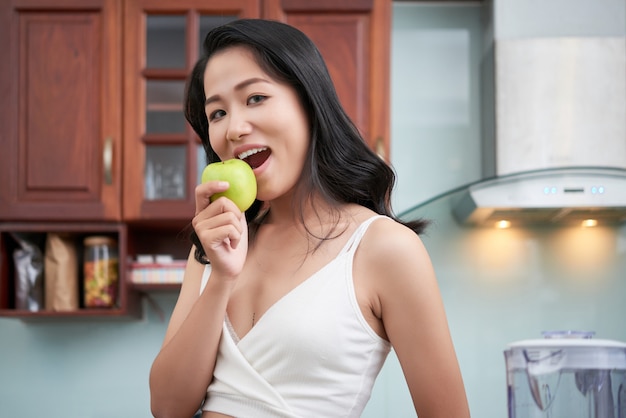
{"points": [[312, 354]]}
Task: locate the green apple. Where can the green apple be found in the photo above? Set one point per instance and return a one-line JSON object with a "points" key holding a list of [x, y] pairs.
{"points": [[239, 175]]}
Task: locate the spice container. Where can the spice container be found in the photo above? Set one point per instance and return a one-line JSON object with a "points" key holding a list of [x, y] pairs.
{"points": [[101, 272]]}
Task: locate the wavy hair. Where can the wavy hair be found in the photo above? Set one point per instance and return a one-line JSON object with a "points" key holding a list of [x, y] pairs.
{"points": [[339, 166]]}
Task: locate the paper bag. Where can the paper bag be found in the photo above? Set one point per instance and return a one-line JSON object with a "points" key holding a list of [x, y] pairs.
{"points": [[61, 273]]}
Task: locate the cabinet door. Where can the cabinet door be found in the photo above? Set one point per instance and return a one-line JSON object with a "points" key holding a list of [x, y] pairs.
{"points": [[60, 95], [163, 158], [354, 38]]}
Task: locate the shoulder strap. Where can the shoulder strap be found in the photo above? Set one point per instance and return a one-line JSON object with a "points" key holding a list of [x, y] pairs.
{"points": [[355, 239]]}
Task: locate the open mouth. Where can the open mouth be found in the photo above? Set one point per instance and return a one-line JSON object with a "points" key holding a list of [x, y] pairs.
{"points": [[255, 158]]}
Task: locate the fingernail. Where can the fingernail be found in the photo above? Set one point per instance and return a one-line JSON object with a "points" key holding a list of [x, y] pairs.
{"points": [[223, 184]]}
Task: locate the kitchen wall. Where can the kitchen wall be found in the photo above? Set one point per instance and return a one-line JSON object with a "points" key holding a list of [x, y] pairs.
{"points": [[79, 368], [501, 286], [435, 99], [498, 286]]}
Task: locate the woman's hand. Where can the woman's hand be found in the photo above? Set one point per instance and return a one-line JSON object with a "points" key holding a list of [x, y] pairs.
{"points": [[222, 229], [183, 369]]}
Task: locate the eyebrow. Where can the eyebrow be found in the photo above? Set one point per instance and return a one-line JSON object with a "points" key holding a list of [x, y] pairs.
{"points": [[239, 86]]}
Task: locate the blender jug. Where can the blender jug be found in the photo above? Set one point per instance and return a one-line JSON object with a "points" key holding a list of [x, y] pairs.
{"points": [[566, 375]]}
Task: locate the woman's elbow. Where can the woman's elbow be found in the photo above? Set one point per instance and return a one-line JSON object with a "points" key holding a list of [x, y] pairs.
{"points": [[160, 410]]}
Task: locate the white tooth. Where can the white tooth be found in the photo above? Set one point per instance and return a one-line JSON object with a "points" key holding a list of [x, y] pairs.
{"points": [[248, 153]]}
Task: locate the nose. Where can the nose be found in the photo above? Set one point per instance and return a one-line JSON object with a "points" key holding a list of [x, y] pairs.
{"points": [[238, 126]]}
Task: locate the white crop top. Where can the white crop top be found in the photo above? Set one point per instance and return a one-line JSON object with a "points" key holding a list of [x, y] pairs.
{"points": [[312, 354]]}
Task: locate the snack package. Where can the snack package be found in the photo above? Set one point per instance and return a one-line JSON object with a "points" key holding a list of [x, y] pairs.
{"points": [[61, 273], [28, 261]]}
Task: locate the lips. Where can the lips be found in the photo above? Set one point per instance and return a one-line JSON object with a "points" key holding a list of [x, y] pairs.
{"points": [[255, 157]]}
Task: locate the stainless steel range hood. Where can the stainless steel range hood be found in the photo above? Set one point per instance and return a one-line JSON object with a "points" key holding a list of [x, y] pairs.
{"points": [[554, 197], [555, 133]]}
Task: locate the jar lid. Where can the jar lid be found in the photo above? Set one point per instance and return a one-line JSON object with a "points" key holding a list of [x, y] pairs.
{"points": [[99, 240]]}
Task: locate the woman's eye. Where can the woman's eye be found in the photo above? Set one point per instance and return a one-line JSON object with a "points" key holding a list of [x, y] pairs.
{"points": [[257, 98], [216, 114]]}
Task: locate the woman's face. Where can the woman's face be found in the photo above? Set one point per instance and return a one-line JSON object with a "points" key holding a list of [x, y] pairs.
{"points": [[255, 118]]}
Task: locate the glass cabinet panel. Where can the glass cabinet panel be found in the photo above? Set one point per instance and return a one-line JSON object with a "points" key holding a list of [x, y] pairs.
{"points": [[165, 172], [208, 22], [162, 155], [164, 107], [165, 41], [200, 162], [166, 168]]}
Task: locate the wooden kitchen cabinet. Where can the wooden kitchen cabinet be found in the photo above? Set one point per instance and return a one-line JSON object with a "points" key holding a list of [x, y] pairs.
{"points": [[60, 85], [60, 133], [354, 38], [64, 150], [92, 133], [162, 155]]}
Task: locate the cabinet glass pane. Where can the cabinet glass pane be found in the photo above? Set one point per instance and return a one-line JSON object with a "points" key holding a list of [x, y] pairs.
{"points": [[165, 41], [165, 172], [164, 107], [209, 22], [200, 162]]}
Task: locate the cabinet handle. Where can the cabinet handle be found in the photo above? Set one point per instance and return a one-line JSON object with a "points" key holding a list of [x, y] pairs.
{"points": [[380, 148], [107, 160]]}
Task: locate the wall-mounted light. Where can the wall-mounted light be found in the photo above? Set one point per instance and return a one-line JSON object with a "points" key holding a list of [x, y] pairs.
{"points": [[503, 224], [588, 223]]}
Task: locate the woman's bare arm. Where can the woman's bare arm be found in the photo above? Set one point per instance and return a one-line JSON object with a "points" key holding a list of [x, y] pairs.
{"points": [[415, 321], [183, 368]]}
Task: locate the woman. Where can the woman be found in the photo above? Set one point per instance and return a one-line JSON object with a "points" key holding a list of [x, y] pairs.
{"points": [[307, 291]]}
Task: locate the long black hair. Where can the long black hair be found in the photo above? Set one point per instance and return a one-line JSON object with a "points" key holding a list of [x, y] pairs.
{"points": [[339, 166]]}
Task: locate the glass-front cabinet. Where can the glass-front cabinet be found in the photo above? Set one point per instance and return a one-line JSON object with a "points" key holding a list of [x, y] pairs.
{"points": [[163, 158]]}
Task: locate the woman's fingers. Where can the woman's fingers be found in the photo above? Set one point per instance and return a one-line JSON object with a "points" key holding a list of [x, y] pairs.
{"points": [[216, 231], [220, 222], [204, 192], [222, 230]]}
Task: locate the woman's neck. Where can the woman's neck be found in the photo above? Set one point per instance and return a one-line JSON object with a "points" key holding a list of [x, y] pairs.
{"points": [[312, 212]]}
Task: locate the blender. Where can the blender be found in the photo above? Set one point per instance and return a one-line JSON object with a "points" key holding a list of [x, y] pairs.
{"points": [[567, 374]]}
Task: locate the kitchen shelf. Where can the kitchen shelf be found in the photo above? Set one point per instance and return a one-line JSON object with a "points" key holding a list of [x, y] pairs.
{"points": [[76, 314], [156, 287], [128, 300]]}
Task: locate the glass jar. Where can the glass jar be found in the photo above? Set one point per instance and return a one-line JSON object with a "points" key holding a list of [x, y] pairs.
{"points": [[101, 272]]}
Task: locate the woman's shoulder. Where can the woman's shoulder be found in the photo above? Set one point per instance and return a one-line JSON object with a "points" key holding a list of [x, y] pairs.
{"points": [[385, 237], [386, 234], [392, 246], [392, 263]]}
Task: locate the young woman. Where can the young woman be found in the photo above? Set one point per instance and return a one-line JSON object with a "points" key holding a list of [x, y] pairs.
{"points": [[307, 291]]}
